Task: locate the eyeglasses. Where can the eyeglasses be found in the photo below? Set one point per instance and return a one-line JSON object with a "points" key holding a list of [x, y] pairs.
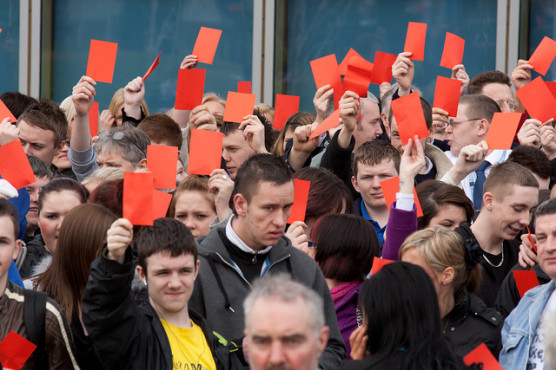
{"points": [[513, 104], [453, 123]]}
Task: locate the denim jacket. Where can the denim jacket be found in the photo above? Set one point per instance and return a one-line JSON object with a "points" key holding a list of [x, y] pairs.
{"points": [[520, 326]]}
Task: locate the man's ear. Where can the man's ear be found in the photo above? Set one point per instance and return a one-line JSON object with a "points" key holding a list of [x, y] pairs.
{"points": [[483, 127], [18, 244], [142, 274], [488, 200], [323, 338], [197, 268], [386, 124], [240, 204], [142, 163], [354, 183]]}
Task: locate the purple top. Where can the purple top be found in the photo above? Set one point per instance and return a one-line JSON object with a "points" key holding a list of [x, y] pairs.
{"points": [[346, 300], [401, 224]]}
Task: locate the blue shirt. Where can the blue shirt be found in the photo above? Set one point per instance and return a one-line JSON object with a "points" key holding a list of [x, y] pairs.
{"points": [[379, 231]]}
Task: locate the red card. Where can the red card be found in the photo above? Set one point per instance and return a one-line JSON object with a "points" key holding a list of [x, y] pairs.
{"points": [[300, 196], [152, 67], [343, 66], [93, 119], [538, 100], [415, 40], [446, 95], [5, 112], [0, 30], [238, 105], [161, 202], [326, 72], [15, 350], [552, 87], [378, 264], [525, 280], [410, 117], [358, 76], [14, 165], [389, 189], [244, 87], [481, 354], [330, 122], [161, 161], [543, 56], [206, 44], [138, 198], [453, 51], [102, 60], [190, 89], [205, 152], [382, 69], [285, 106], [502, 130]]}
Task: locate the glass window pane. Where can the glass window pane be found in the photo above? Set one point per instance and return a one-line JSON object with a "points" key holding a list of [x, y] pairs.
{"points": [[9, 45], [542, 24]]}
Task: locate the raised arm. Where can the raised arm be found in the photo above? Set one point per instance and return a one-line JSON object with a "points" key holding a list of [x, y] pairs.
{"points": [[83, 96]]}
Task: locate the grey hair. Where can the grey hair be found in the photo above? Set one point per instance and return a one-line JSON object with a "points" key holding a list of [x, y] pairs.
{"points": [[546, 208], [282, 287], [129, 141], [370, 98]]}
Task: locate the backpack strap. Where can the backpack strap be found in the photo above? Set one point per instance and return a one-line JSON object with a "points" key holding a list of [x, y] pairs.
{"points": [[34, 316]]}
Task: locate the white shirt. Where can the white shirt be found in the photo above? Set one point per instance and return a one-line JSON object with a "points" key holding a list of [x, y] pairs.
{"points": [[536, 351]]}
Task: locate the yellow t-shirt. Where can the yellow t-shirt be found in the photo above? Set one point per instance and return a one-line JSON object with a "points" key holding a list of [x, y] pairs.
{"points": [[190, 349]]}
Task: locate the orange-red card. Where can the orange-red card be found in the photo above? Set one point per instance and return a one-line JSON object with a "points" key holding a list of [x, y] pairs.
{"points": [[14, 165], [538, 100], [152, 67], [15, 350], [300, 196], [453, 51], [161, 161], [343, 66], [382, 68], [326, 72], [502, 130], [206, 44], [525, 280], [102, 60], [138, 198], [93, 119], [244, 87], [238, 106], [389, 189], [5, 112], [481, 354], [205, 152], [161, 202], [330, 122], [190, 88], [358, 76], [415, 40], [378, 264], [543, 55], [410, 117], [285, 106], [446, 95]]}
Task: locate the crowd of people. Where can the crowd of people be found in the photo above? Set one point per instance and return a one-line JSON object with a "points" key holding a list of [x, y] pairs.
{"points": [[224, 282]]}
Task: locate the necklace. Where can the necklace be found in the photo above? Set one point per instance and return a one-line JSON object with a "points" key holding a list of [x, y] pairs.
{"points": [[499, 263]]}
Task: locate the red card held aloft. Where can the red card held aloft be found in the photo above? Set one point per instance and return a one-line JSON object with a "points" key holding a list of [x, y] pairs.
{"points": [[502, 130], [410, 117], [102, 60], [382, 68], [446, 95], [453, 51], [5, 112], [326, 72], [206, 44], [244, 87], [152, 67], [161, 202], [525, 280], [14, 165], [205, 152], [538, 100], [330, 122], [15, 350], [482, 354], [93, 119], [389, 189], [285, 106], [378, 264], [300, 196], [415, 40], [358, 76], [343, 66], [138, 198], [161, 161], [543, 55], [190, 88], [238, 105]]}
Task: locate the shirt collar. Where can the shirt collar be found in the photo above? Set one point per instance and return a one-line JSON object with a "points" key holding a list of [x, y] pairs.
{"points": [[236, 240]]}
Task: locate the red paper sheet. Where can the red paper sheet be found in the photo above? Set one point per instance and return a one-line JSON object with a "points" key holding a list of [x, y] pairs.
{"points": [[382, 69], [300, 196], [93, 119], [152, 67], [238, 106], [389, 189], [453, 51], [343, 66], [138, 198], [525, 280], [14, 165], [378, 264], [244, 87], [285, 106], [205, 152], [481, 354], [190, 88], [102, 60], [502, 130], [446, 95], [415, 40], [410, 117], [358, 76], [326, 72], [161, 161], [206, 44], [538, 100], [15, 350], [330, 122], [5, 112], [552, 87], [161, 202], [543, 56]]}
